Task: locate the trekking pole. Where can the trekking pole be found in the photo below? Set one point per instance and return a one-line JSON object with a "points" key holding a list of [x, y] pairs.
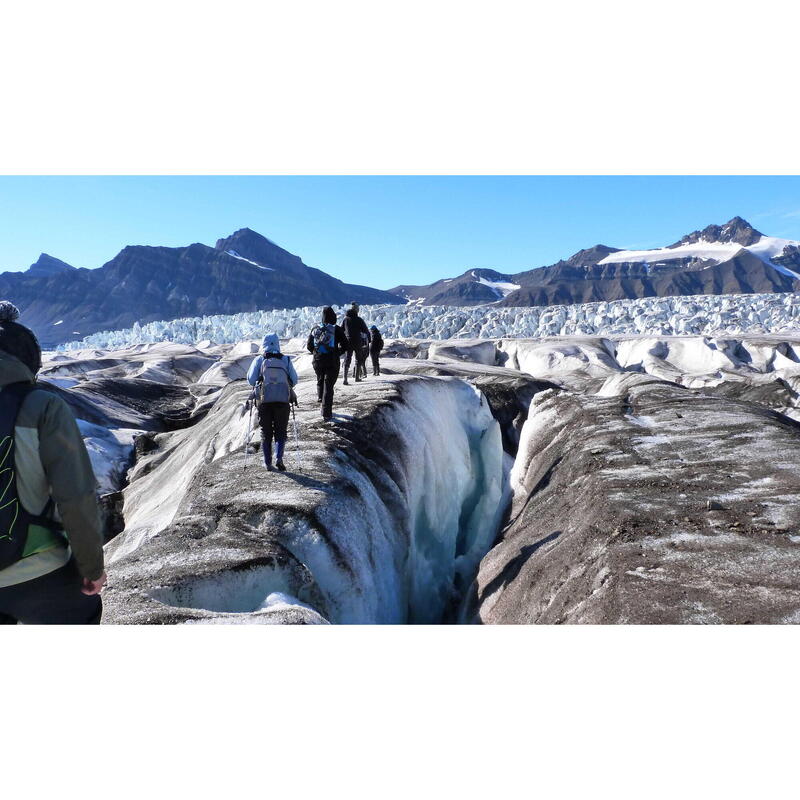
{"points": [[249, 431], [297, 442]]}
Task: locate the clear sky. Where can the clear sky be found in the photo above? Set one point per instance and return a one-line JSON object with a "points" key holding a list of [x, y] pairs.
{"points": [[382, 230]]}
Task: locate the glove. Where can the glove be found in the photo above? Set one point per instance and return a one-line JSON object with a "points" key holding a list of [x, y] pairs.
{"points": [[293, 398]]}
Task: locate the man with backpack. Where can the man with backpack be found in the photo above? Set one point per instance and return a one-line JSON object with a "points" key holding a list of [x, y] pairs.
{"points": [[327, 342], [357, 334], [273, 375], [51, 540], [375, 347]]}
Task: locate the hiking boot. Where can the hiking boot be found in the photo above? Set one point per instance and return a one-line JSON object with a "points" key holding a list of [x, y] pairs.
{"points": [[281, 466], [345, 383], [268, 467]]}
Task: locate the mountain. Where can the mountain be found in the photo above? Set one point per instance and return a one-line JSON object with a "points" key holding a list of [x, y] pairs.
{"points": [[47, 265], [733, 258], [474, 287], [243, 272]]}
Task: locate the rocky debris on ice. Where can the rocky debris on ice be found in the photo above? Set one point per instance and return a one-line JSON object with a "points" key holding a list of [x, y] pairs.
{"points": [[382, 518], [648, 503]]}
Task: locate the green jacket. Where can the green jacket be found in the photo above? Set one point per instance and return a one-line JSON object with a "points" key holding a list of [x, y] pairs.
{"points": [[51, 461]]}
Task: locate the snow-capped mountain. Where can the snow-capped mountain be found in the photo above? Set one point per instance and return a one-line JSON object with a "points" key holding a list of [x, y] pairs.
{"points": [[733, 258], [243, 272], [474, 287]]}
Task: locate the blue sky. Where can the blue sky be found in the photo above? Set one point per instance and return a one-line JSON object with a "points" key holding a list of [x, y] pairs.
{"points": [[382, 230]]}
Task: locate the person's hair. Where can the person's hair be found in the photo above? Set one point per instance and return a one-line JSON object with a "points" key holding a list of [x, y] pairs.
{"points": [[328, 315], [17, 340]]}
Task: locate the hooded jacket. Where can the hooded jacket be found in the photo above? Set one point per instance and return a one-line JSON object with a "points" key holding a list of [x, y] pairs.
{"points": [[354, 326], [51, 461], [271, 347], [376, 343]]}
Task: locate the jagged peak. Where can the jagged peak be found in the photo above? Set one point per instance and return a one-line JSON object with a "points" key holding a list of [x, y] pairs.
{"points": [[736, 230], [49, 265], [244, 235]]}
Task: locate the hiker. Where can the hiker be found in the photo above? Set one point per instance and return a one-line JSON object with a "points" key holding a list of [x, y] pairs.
{"points": [[327, 342], [375, 347], [357, 334], [273, 375], [51, 541]]}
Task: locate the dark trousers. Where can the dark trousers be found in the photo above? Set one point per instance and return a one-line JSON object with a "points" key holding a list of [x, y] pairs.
{"points": [[327, 369], [348, 359], [361, 361], [273, 418], [53, 599], [376, 362]]}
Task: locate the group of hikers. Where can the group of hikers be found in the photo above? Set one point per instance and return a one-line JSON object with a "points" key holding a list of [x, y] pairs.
{"points": [[273, 376], [51, 537]]}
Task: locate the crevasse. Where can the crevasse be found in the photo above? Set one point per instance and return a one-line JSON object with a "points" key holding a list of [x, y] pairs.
{"points": [[409, 544]]}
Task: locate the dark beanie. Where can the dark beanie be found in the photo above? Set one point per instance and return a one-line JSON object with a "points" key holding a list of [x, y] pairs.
{"points": [[328, 315], [17, 340]]}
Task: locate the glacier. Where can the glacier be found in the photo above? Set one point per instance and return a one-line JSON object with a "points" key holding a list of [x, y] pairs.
{"points": [[652, 316], [550, 479], [390, 529]]}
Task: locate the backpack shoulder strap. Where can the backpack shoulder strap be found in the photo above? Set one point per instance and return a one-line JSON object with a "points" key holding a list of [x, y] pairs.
{"points": [[15, 519]]}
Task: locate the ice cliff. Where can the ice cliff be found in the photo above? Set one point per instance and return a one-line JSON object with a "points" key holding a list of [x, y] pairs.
{"points": [[658, 316]]}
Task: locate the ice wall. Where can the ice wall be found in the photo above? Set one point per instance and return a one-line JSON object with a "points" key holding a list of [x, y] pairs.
{"points": [[662, 316], [386, 522], [414, 537]]}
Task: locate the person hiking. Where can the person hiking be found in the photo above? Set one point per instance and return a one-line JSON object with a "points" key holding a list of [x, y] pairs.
{"points": [[375, 347], [362, 354], [326, 342], [357, 334], [274, 377], [51, 540]]}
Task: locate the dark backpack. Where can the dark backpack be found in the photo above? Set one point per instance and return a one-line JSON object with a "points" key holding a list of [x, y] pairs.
{"points": [[324, 338], [274, 385], [14, 518]]}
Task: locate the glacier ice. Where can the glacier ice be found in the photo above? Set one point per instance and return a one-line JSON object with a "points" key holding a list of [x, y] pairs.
{"points": [[659, 316]]}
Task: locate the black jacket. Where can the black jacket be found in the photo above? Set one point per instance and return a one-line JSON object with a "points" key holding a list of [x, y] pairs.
{"points": [[376, 345], [354, 326], [340, 344]]}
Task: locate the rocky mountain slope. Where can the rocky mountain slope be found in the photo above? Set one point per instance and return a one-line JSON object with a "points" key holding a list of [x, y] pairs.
{"points": [[243, 272], [583, 479], [720, 259]]}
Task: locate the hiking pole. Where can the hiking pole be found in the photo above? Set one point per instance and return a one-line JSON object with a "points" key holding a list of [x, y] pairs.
{"points": [[249, 404], [296, 442]]}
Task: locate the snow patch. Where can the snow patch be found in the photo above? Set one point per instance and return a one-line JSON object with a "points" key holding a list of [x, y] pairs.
{"points": [[766, 248], [242, 258], [500, 288]]}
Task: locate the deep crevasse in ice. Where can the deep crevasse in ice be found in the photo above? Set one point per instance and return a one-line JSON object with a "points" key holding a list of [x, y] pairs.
{"points": [[407, 547]]}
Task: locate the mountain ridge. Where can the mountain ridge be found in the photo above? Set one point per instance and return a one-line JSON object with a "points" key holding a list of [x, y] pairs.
{"points": [[733, 258], [144, 283]]}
